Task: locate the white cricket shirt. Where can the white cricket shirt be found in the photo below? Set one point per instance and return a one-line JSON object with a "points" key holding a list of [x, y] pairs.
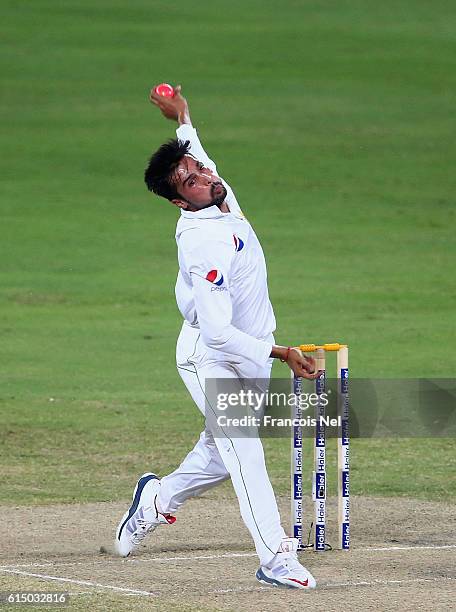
{"points": [[222, 282]]}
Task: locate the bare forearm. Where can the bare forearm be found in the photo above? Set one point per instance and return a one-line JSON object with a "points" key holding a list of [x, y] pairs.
{"points": [[183, 117], [279, 352]]}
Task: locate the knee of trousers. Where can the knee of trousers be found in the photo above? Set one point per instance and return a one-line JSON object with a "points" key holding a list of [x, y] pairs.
{"points": [[249, 451]]}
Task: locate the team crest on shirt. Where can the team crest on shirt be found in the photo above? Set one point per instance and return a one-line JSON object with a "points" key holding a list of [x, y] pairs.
{"points": [[238, 243], [215, 277]]}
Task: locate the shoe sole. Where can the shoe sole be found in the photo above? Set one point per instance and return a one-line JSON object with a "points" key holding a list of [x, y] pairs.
{"points": [[145, 478], [261, 577]]}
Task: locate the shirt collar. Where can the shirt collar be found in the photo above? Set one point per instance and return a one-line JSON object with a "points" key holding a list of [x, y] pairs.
{"points": [[211, 212]]}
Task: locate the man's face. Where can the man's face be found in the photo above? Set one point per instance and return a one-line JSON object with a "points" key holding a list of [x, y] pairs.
{"points": [[198, 185]]}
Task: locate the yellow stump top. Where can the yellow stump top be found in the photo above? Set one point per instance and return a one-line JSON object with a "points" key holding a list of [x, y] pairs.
{"points": [[310, 348]]}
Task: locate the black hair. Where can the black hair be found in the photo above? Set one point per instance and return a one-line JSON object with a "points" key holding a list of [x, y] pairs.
{"points": [[162, 165]]}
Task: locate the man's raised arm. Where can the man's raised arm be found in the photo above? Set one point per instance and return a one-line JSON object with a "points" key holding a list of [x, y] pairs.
{"points": [[176, 109]]}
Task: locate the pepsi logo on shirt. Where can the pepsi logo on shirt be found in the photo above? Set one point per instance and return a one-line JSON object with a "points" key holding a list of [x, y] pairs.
{"points": [[215, 277]]}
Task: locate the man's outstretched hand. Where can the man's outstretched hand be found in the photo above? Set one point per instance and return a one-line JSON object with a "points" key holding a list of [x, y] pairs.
{"points": [[175, 108], [302, 365]]}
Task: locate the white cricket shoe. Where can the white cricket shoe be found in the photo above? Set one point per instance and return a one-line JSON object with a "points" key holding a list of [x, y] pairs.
{"points": [[142, 517], [285, 569]]}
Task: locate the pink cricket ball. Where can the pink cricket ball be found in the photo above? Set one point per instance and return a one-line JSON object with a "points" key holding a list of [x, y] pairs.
{"points": [[164, 90]]}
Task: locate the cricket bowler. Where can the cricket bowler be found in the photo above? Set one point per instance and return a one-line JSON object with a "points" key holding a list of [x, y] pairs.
{"points": [[227, 332]]}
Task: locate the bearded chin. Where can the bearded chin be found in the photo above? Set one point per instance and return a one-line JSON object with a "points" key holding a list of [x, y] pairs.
{"points": [[219, 199], [216, 201]]}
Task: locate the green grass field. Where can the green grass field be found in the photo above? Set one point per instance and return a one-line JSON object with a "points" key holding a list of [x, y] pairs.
{"points": [[332, 120]]}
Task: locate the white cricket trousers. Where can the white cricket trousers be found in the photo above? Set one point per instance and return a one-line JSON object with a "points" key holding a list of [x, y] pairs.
{"points": [[216, 458]]}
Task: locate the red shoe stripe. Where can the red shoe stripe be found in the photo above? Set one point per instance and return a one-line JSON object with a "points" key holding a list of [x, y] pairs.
{"points": [[170, 519], [304, 583]]}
